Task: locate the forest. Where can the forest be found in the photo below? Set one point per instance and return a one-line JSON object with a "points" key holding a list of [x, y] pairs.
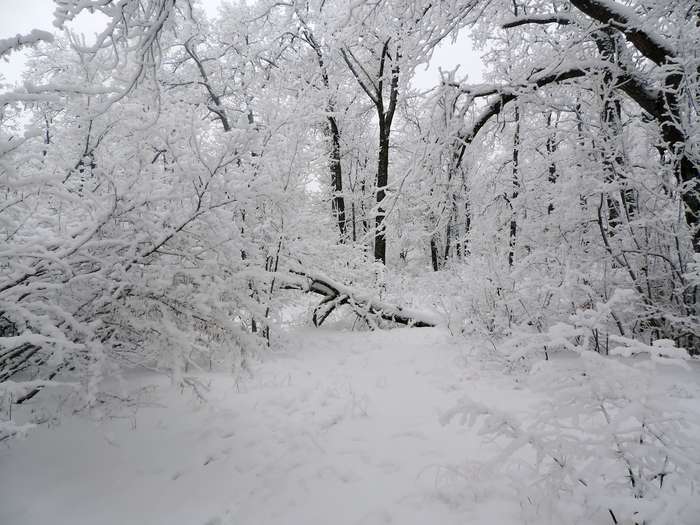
{"points": [[186, 197]]}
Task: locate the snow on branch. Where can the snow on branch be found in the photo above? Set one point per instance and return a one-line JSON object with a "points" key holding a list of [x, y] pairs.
{"points": [[508, 93], [625, 20], [604, 439], [634, 87], [336, 294], [75, 88], [553, 18], [17, 42]]}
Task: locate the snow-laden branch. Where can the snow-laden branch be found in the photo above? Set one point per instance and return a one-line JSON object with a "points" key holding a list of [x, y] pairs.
{"points": [[508, 93], [625, 20], [554, 18], [15, 43], [647, 98], [364, 80], [336, 294], [75, 88]]}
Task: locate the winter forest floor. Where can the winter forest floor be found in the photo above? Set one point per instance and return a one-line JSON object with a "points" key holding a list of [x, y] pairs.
{"points": [[334, 428]]}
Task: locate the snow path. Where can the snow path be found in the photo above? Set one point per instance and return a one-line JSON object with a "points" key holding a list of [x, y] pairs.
{"points": [[340, 428]]}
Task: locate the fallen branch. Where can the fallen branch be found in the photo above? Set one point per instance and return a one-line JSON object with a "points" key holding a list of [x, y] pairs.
{"points": [[336, 294]]}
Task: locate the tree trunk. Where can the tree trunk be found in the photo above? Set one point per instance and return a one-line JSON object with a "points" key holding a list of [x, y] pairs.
{"points": [[516, 186], [338, 202], [382, 181], [551, 146], [434, 253], [374, 88], [684, 169], [611, 127]]}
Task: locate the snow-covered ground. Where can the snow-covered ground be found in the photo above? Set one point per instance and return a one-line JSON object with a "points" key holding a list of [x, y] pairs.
{"points": [[336, 428]]}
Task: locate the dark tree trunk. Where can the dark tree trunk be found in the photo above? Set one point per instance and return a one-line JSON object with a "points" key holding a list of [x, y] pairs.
{"points": [[516, 187], [374, 89], [467, 225], [551, 146], [448, 239], [434, 258], [611, 127], [338, 202], [336, 170], [382, 181]]}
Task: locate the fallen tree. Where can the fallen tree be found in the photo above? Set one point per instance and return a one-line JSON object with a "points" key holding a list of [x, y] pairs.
{"points": [[336, 294]]}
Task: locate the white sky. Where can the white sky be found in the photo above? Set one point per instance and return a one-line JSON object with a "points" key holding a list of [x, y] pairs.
{"points": [[21, 16]]}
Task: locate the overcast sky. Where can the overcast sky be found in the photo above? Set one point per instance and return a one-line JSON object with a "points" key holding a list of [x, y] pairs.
{"points": [[21, 16]]}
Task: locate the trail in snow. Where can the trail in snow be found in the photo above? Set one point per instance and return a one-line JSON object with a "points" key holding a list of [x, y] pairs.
{"points": [[339, 428]]}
